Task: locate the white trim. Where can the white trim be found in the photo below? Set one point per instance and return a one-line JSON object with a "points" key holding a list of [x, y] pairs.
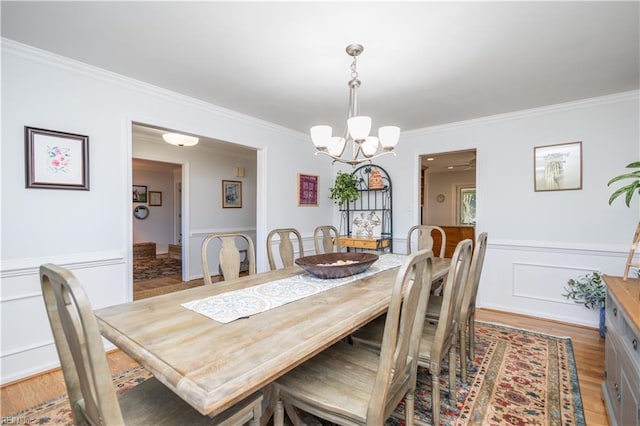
{"points": [[28, 348], [204, 232], [517, 115], [31, 53], [31, 265], [616, 250]]}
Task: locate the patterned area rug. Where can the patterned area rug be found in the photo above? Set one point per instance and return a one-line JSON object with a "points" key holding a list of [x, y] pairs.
{"points": [[519, 377], [149, 268]]}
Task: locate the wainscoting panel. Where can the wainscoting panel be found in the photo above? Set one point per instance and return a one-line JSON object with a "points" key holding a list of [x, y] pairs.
{"points": [[27, 344], [529, 278], [539, 281]]}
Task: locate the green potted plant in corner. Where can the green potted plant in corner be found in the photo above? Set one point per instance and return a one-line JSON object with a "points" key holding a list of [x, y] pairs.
{"points": [[344, 189], [588, 290]]}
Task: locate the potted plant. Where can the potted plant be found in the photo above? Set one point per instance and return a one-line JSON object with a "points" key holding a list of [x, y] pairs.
{"points": [[344, 189], [629, 190], [588, 290]]}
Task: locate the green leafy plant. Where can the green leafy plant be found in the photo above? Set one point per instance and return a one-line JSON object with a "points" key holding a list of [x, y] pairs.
{"points": [[629, 190], [344, 189], [587, 289]]}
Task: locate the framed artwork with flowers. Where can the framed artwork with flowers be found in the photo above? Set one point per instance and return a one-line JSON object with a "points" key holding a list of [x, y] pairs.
{"points": [[56, 160]]}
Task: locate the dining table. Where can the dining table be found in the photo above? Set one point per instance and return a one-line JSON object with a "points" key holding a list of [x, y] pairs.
{"points": [[213, 365]]}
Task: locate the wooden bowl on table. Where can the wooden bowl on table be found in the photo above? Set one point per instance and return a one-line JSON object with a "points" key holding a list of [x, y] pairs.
{"points": [[336, 265]]}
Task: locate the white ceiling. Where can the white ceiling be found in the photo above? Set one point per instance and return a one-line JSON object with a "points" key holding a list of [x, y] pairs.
{"points": [[425, 63]]}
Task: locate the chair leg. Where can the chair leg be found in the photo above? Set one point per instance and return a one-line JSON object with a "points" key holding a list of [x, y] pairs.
{"points": [[452, 374], [278, 414], [435, 395], [472, 336], [463, 354], [409, 405]]}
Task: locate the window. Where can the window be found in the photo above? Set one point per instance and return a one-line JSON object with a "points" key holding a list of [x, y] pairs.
{"points": [[466, 205]]}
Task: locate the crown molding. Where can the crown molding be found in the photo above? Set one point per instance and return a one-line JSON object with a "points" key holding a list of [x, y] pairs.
{"points": [[31, 53], [526, 113]]}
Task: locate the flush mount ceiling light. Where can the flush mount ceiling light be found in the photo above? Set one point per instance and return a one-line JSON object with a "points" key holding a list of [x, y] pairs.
{"points": [[179, 140], [356, 133]]}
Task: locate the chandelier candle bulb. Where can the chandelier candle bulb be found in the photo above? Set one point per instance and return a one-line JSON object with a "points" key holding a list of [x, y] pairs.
{"points": [[389, 136], [320, 136], [363, 147], [359, 127], [370, 146]]}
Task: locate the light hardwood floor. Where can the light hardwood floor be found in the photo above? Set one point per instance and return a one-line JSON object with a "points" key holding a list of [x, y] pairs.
{"points": [[588, 348]]}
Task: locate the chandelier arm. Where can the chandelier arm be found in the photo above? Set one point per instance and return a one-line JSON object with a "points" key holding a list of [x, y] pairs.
{"points": [[354, 162]]}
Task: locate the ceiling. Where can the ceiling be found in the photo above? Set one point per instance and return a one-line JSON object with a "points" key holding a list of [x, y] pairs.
{"points": [[424, 63]]}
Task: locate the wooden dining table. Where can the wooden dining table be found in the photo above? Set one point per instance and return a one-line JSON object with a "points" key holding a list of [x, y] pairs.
{"points": [[212, 365]]}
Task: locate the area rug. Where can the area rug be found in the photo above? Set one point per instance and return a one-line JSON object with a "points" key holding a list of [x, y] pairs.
{"points": [[518, 378], [149, 268], [58, 411]]}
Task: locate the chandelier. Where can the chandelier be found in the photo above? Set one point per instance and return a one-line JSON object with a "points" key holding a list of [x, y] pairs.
{"points": [[356, 133]]}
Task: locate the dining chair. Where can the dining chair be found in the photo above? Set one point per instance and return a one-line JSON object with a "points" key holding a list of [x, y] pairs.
{"points": [[353, 385], [285, 246], [424, 239], [326, 239], [92, 394], [438, 339], [466, 320], [229, 255]]}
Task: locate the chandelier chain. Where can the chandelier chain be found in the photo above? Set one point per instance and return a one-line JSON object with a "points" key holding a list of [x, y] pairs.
{"points": [[354, 72]]}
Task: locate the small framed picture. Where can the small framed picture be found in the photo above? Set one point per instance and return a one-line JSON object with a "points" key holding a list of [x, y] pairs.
{"points": [[307, 190], [558, 167], [155, 198], [231, 194], [139, 194], [56, 160]]}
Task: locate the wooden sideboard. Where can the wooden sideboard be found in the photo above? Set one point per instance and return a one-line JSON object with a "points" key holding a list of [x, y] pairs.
{"points": [[454, 235], [621, 388]]}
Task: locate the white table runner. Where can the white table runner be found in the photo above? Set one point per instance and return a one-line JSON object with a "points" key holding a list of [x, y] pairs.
{"points": [[232, 305]]}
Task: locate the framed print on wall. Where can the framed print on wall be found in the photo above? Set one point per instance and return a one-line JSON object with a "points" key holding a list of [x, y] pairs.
{"points": [[231, 194], [139, 194], [307, 190], [56, 160], [155, 198], [558, 167]]}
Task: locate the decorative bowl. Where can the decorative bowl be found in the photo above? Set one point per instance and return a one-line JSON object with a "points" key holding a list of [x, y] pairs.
{"points": [[336, 265]]}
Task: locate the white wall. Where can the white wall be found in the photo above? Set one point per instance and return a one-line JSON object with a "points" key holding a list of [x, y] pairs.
{"points": [[537, 240], [90, 232]]}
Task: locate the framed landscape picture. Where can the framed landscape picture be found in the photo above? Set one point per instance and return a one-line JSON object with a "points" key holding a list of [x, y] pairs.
{"points": [[307, 190], [231, 194]]}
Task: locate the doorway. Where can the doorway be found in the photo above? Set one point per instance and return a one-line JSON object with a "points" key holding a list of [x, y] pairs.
{"points": [[448, 188], [202, 168], [157, 235]]}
